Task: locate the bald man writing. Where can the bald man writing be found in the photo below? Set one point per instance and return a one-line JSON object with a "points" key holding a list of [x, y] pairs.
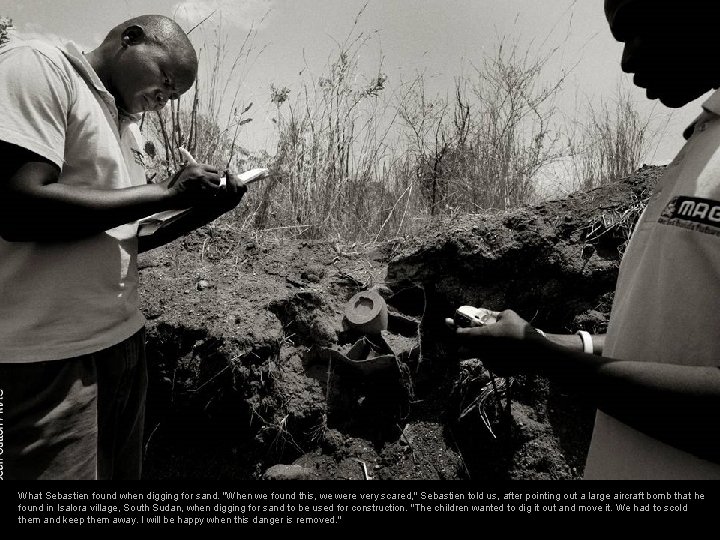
{"points": [[654, 377], [72, 189]]}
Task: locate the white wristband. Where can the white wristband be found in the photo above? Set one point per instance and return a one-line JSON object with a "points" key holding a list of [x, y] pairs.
{"points": [[586, 341], [540, 332]]}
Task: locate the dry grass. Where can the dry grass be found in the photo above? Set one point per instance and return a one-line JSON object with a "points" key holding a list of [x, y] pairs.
{"points": [[362, 158], [611, 143]]}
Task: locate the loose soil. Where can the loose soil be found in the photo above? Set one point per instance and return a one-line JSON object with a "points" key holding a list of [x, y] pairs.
{"points": [[246, 341]]}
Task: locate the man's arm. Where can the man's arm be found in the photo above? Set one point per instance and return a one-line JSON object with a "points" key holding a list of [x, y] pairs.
{"points": [[34, 207], [575, 343], [679, 405]]}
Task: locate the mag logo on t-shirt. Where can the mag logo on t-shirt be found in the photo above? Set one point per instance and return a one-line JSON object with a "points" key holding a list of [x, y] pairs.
{"points": [[694, 213]]}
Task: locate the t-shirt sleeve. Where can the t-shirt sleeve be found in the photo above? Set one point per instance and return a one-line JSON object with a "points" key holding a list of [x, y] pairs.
{"points": [[35, 96]]}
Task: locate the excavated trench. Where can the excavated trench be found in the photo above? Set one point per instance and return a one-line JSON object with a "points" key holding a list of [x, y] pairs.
{"points": [[218, 409], [255, 372]]}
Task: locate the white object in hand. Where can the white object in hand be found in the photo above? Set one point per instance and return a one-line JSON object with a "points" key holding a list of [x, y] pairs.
{"points": [[248, 177], [186, 156], [472, 316]]}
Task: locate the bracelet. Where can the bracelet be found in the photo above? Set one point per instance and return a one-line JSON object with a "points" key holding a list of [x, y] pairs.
{"points": [[586, 341], [540, 332]]}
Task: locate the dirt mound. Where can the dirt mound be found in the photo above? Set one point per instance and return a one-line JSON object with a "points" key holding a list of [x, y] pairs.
{"points": [[243, 339], [554, 263]]}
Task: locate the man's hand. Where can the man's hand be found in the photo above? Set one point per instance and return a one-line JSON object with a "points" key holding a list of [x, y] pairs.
{"points": [[193, 184], [224, 196], [233, 193], [506, 347], [201, 213]]}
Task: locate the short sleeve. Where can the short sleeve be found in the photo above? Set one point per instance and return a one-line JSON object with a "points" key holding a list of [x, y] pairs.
{"points": [[35, 96]]}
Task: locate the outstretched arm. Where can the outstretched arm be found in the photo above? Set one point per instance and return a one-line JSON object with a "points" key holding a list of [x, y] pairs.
{"points": [[575, 343], [677, 404]]}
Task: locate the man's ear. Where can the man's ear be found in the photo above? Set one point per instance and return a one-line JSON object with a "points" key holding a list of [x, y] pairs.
{"points": [[133, 35]]}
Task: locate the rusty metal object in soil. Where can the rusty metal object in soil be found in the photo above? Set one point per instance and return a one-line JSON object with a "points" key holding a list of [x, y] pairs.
{"points": [[367, 312]]}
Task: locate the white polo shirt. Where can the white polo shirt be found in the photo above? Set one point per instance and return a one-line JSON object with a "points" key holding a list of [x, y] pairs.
{"points": [[65, 299], [666, 303]]}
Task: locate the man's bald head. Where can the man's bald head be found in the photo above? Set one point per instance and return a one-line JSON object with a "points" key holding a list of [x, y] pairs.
{"points": [[163, 32], [144, 62]]}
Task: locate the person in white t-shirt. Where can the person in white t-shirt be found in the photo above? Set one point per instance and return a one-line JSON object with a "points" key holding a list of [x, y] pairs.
{"points": [[655, 376], [72, 189]]}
